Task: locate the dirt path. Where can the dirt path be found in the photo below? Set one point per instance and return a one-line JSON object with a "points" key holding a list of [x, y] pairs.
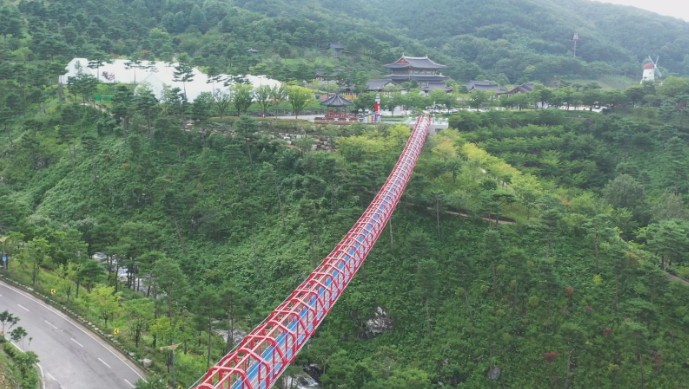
{"points": [[465, 215], [678, 279]]}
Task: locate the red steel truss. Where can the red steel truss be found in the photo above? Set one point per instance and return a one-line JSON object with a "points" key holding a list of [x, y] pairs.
{"points": [[258, 361]]}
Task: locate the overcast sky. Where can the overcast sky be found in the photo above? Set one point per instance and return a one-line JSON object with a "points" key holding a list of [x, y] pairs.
{"points": [[676, 8]]}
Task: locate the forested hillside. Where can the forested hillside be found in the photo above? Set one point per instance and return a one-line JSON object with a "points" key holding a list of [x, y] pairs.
{"points": [[524, 40], [533, 248], [222, 227], [528, 40]]}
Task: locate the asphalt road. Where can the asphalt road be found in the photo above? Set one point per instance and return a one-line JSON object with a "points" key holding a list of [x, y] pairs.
{"points": [[70, 357]]}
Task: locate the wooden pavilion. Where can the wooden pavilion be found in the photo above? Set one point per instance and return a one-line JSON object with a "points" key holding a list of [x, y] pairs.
{"points": [[337, 111]]}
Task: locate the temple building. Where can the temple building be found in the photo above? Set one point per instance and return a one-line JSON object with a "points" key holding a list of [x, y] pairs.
{"points": [[485, 86], [421, 70]]}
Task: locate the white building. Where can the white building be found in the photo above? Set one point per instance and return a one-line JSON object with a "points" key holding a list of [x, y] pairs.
{"points": [[155, 75], [649, 73]]}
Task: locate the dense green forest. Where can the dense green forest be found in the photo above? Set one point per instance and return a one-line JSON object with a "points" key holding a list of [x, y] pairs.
{"points": [[570, 292], [528, 40], [532, 248]]}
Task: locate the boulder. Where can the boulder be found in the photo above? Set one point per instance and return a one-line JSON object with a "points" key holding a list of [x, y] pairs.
{"points": [[299, 381], [237, 334], [379, 323]]}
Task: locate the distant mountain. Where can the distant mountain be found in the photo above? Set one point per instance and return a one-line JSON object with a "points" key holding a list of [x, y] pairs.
{"points": [[511, 42], [505, 37]]}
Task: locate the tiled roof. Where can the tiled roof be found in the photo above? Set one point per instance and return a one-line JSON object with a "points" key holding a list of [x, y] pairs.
{"points": [[485, 85], [336, 101], [417, 77], [414, 62], [429, 86], [378, 84], [523, 88]]}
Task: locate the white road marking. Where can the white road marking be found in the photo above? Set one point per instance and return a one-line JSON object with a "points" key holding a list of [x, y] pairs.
{"points": [[103, 362], [23, 307], [75, 341], [75, 325], [50, 324], [50, 376], [129, 383]]}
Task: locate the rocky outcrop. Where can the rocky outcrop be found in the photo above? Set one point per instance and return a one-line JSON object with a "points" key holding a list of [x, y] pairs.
{"points": [[299, 381], [379, 323]]}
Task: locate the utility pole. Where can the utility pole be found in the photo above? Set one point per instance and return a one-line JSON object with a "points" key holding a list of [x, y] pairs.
{"points": [[575, 40]]}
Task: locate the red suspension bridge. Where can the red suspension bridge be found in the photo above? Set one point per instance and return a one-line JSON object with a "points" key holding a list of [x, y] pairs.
{"points": [[264, 354]]}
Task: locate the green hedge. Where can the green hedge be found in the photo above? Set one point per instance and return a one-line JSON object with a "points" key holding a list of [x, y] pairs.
{"points": [[24, 364]]}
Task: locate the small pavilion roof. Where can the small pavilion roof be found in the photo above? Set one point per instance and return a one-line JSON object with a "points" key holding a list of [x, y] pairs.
{"points": [[414, 62], [336, 101]]}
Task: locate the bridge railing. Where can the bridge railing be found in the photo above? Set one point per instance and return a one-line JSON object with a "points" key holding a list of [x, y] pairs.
{"points": [[263, 355]]}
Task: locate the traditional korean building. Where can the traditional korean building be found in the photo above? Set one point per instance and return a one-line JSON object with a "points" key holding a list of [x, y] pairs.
{"points": [[523, 88], [337, 111], [421, 70], [486, 86]]}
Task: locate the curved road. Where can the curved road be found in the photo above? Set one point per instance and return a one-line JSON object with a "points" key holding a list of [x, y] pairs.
{"points": [[70, 356]]}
